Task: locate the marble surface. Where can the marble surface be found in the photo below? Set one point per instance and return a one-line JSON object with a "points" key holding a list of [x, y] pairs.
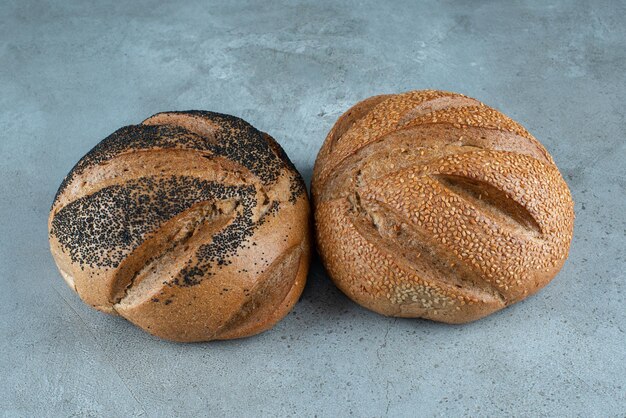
{"points": [[72, 72]]}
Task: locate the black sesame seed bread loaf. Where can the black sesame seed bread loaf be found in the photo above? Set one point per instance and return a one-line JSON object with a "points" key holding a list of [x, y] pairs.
{"points": [[192, 225], [430, 204]]}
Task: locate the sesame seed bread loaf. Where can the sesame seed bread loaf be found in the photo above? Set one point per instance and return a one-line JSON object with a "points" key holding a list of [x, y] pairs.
{"points": [[192, 225], [431, 204]]}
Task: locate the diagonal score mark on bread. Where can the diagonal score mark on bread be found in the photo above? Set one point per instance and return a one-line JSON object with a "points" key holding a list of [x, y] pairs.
{"points": [[420, 145], [349, 118], [471, 177], [193, 123], [152, 265], [384, 282], [385, 228], [373, 118], [509, 228], [153, 163], [381, 158], [415, 109], [268, 295], [434, 105], [492, 201], [235, 140]]}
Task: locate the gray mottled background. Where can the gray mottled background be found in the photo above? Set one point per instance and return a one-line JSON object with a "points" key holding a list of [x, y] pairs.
{"points": [[72, 72]]}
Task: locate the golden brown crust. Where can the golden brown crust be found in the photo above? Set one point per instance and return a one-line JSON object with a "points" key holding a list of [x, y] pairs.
{"points": [[431, 204], [192, 225]]}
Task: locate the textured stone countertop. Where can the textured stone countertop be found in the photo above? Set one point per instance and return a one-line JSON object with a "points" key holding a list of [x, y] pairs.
{"points": [[73, 72]]}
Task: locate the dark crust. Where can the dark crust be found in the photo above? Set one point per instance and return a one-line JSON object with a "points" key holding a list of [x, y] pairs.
{"points": [[235, 140]]}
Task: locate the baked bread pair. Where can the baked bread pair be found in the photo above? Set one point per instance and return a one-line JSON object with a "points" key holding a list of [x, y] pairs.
{"points": [[195, 225]]}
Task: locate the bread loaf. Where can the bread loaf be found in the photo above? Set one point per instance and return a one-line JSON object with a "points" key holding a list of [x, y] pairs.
{"points": [[192, 225], [431, 204]]}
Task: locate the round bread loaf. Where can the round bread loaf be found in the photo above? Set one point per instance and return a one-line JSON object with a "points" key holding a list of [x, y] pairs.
{"points": [[192, 225], [430, 204]]}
